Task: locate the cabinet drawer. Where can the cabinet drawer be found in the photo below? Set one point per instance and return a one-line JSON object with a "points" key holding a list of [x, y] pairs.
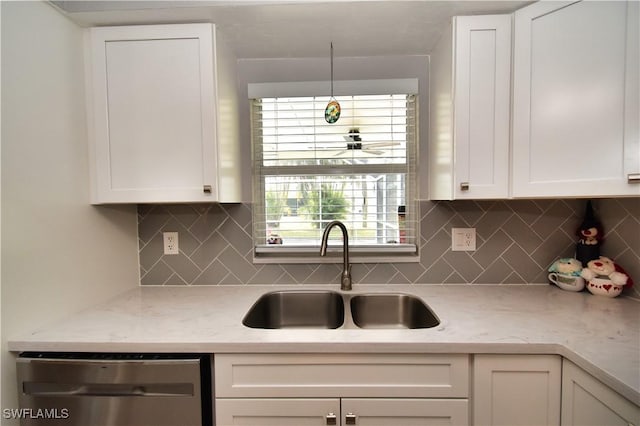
{"points": [[340, 375]]}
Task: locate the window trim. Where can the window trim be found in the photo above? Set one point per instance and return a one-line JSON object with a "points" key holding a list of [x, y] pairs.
{"points": [[398, 253]]}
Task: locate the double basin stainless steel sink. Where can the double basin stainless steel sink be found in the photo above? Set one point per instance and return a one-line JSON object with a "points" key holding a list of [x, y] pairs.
{"points": [[331, 310]]}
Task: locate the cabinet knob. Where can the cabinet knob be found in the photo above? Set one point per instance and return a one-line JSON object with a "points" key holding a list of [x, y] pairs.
{"points": [[332, 419], [633, 178], [207, 189], [464, 186], [350, 419]]}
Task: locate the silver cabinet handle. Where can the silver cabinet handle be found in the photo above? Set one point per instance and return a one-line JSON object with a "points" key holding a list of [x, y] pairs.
{"points": [[350, 419], [332, 419], [633, 178], [464, 186], [207, 189]]}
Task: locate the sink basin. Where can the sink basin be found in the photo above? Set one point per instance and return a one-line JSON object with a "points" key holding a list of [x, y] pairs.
{"points": [[391, 311], [296, 309]]}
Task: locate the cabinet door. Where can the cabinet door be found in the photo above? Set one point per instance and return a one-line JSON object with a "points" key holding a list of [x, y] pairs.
{"points": [[404, 412], [575, 99], [588, 402], [515, 390], [277, 412], [470, 110], [341, 375], [482, 106], [152, 113]]}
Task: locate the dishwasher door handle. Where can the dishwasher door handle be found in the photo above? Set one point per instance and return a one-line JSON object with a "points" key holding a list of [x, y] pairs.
{"points": [[108, 389]]}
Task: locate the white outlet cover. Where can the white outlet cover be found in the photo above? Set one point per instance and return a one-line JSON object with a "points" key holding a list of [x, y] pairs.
{"points": [[463, 239], [170, 240]]}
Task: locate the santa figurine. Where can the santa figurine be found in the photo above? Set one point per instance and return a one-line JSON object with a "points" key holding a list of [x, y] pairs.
{"points": [[590, 235]]}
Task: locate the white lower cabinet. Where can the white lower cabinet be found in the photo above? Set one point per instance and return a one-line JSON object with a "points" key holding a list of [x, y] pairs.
{"points": [[335, 389], [277, 411], [516, 390], [341, 411], [587, 401]]}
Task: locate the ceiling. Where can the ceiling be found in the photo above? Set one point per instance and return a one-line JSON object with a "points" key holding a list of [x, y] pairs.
{"points": [[302, 28]]}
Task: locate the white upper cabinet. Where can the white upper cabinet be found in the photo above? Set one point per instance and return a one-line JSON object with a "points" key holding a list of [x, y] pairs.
{"points": [[155, 95], [575, 100], [470, 110]]}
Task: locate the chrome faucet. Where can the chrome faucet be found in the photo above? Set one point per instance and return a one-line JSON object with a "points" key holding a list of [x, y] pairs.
{"points": [[345, 281]]}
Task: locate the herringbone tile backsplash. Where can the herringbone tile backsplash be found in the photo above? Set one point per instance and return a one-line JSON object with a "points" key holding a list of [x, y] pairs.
{"points": [[516, 242]]}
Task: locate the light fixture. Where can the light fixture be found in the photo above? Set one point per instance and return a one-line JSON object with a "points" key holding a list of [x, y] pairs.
{"points": [[332, 111]]}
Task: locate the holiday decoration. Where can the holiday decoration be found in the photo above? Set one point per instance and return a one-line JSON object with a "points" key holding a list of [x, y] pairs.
{"points": [[590, 235], [565, 273], [604, 277]]}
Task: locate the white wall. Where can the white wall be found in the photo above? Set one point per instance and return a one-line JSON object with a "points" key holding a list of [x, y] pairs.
{"points": [[318, 69], [59, 254]]}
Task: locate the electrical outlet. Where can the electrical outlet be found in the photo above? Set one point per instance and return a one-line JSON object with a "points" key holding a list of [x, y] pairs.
{"points": [[170, 242], [463, 239]]}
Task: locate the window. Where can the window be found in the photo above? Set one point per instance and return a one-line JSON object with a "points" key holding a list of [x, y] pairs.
{"points": [[360, 170]]}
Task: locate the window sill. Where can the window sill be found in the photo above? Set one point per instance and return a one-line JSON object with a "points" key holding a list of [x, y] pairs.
{"points": [[400, 253]]}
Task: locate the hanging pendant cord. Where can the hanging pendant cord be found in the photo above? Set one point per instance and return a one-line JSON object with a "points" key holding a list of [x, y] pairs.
{"points": [[332, 69]]}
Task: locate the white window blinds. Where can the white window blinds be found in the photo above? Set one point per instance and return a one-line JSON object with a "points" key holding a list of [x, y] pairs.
{"points": [[360, 170]]}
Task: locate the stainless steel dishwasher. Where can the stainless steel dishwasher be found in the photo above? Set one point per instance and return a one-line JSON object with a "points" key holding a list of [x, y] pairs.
{"points": [[90, 389]]}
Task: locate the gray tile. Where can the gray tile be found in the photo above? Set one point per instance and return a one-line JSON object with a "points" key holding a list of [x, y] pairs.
{"points": [[157, 275], [286, 279], [610, 212], [434, 248], [513, 278], [398, 278], [555, 216], [437, 273], [380, 274], [183, 266], [614, 245], [267, 274], [492, 248], [152, 222], [300, 272], [175, 280], [520, 231], [213, 275], [463, 264], [554, 247], [468, 210], [631, 264], [495, 274], [186, 214], [231, 280], [209, 250], [208, 222], [152, 252], [520, 261], [629, 229], [144, 209], [493, 219], [506, 224], [439, 215], [631, 205], [237, 264], [527, 210], [325, 273], [411, 271], [359, 271], [240, 213], [455, 278], [541, 278], [236, 237]]}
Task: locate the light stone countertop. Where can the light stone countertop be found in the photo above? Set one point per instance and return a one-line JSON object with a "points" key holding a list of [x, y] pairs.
{"points": [[599, 334]]}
